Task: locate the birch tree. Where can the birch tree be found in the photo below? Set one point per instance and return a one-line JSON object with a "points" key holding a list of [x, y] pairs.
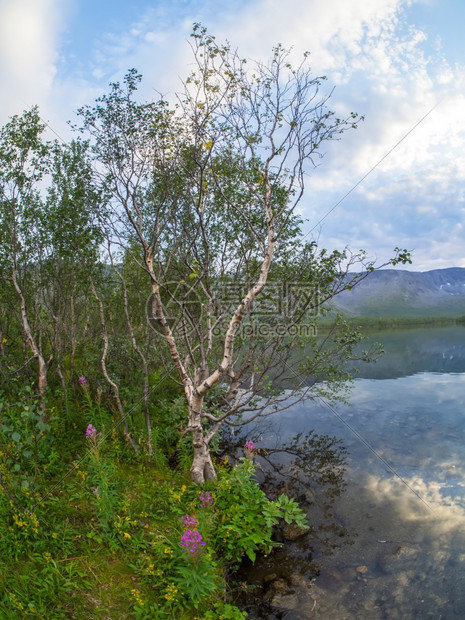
{"points": [[73, 250], [24, 160], [207, 189]]}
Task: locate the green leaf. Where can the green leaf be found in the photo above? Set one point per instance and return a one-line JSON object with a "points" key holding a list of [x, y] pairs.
{"points": [[42, 426], [251, 554]]}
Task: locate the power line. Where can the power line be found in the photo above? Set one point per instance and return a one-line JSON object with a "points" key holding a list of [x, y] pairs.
{"points": [[378, 456]]}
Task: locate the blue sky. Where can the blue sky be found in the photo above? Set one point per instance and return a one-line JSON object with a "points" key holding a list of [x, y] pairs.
{"points": [[391, 60]]}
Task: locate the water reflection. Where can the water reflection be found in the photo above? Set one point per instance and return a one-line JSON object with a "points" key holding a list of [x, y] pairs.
{"points": [[310, 468], [408, 352], [405, 493]]}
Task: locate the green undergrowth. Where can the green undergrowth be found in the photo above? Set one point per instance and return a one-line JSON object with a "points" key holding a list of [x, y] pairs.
{"points": [[89, 530]]}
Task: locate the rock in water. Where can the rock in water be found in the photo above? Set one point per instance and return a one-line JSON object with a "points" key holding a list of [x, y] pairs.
{"points": [[397, 558], [291, 531]]}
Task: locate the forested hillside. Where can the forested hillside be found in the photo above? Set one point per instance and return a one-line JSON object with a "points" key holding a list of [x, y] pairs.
{"points": [[401, 293]]}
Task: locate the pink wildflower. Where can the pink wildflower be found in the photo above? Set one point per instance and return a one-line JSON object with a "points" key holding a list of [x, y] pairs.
{"points": [[188, 521], [205, 499], [91, 432], [191, 540], [249, 448]]}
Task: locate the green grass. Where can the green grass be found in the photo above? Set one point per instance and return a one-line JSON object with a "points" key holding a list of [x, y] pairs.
{"points": [[89, 530], [69, 567]]}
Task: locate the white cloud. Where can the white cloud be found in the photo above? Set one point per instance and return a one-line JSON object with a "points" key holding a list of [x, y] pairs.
{"points": [[29, 31], [327, 29], [378, 62]]}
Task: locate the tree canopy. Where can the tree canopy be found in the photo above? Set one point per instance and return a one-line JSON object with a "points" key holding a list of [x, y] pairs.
{"points": [[166, 245]]}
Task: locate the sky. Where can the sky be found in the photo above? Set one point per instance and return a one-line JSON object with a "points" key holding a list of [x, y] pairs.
{"points": [[398, 180]]}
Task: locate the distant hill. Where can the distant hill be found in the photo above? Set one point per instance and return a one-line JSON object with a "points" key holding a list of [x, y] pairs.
{"points": [[392, 293]]}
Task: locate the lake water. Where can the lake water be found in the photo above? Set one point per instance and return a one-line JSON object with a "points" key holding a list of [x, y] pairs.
{"points": [[386, 504]]}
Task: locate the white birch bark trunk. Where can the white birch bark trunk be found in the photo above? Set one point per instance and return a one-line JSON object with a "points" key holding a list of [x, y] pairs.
{"points": [[202, 468], [32, 344]]}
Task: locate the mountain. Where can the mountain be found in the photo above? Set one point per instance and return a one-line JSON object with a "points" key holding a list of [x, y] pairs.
{"points": [[392, 293]]}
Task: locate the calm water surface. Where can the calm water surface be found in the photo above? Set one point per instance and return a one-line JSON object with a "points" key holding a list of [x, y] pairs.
{"points": [[387, 503]]}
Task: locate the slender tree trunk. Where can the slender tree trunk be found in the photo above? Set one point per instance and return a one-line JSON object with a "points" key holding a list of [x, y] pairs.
{"points": [[58, 347], [73, 336], [2, 350], [62, 380], [202, 468], [108, 379], [30, 340], [141, 356]]}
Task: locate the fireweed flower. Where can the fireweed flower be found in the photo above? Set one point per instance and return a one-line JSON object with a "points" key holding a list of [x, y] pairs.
{"points": [[205, 499], [249, 448], [91, 432], [188, 521], [82, 381], [191, 540]]}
